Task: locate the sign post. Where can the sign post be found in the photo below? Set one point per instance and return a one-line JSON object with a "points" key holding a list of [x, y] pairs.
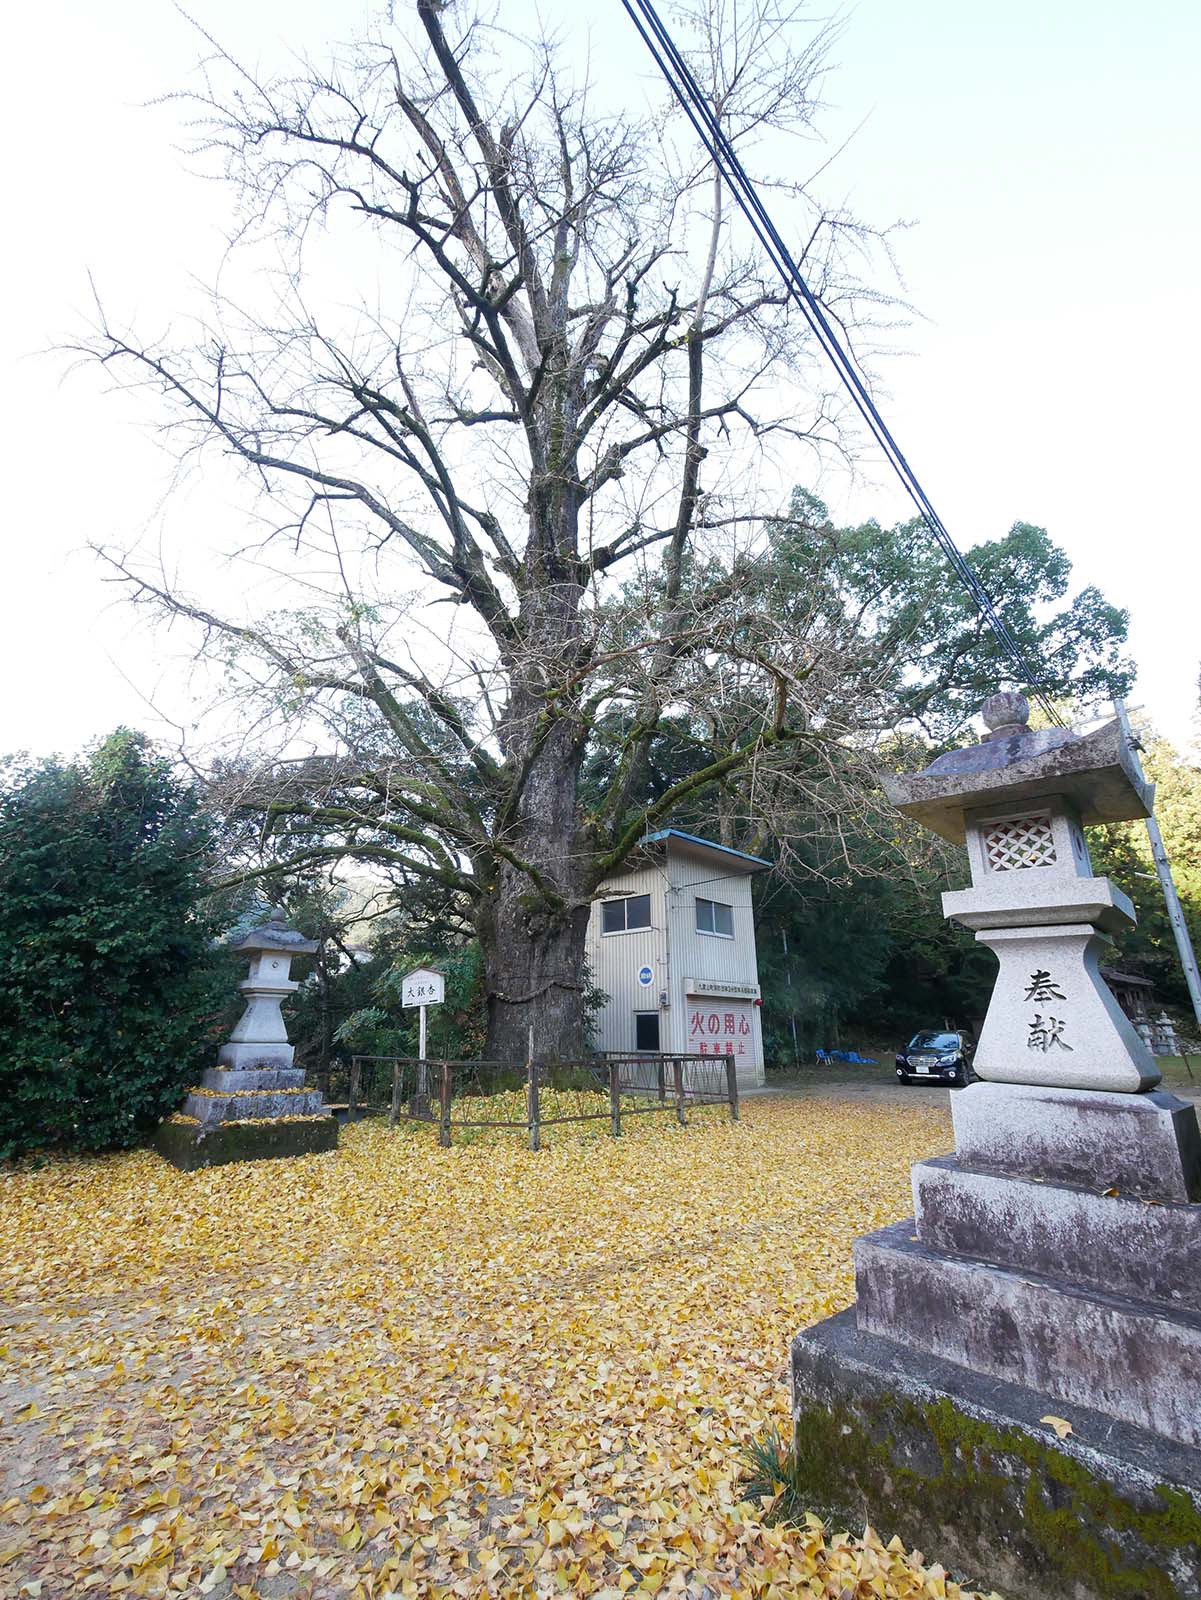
{"points": [[424, 987]]}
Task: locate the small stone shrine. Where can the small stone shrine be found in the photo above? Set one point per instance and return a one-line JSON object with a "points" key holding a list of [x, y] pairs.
{"points": [[1019, 1383], [254, 1104]]}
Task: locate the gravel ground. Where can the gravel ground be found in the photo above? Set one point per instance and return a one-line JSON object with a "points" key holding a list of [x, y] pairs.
{"points": [[878, 1085]]}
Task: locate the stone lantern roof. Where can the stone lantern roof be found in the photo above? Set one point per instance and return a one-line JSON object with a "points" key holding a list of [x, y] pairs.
{"points": [[1095, 772], [274, 934]]}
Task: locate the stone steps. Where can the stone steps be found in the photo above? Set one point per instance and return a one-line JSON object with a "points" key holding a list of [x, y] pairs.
{"points": [[229, 1080], [188, 1147], [1127, 1358], [1142, 1144], [963, 1462], [215, 1108], [242, 1055], [1109, 1242]]}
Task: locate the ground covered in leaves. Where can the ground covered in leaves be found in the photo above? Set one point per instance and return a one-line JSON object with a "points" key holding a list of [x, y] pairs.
{"points": [[399, 1370]]}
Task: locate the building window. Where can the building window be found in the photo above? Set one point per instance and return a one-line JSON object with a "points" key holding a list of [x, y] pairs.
{"points": [[646, 1030], [626, 916], [714, 917]]}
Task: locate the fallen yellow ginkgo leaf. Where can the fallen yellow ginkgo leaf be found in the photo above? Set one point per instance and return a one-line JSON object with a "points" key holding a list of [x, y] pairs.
{"points": [[398, 1369]]}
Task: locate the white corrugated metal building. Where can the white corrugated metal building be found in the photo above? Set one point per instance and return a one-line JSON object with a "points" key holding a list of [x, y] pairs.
{"points": [[671, 941]]}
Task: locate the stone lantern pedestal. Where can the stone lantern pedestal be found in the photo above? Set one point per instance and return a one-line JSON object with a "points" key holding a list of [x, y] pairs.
{"points": [[1019, 1383], [254, 1103]]}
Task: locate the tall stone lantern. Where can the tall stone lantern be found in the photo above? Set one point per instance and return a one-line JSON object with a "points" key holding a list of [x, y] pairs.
{"points": [[1053, 1021], [254, 1103], [1019, 1382], [260, 1037]]}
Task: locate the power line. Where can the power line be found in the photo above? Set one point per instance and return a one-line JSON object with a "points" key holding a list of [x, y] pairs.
{"points": [[707, 125]]}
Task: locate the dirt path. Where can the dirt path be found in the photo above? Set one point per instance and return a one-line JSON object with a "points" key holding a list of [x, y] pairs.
{"points": [[878, 1086]]}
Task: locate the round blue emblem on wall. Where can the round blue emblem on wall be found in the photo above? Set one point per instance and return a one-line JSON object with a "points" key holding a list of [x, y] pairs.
{"points": [[645, 977]]}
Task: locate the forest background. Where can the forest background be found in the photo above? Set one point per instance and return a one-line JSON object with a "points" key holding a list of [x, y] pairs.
{"points": [[124, 877], [853, 948], [542, 415]]}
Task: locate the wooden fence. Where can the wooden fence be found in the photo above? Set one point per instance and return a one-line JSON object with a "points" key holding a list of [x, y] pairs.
{"points": [[533, 1095]]}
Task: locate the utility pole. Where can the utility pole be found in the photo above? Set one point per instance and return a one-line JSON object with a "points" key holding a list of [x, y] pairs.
{"points": [[796, 1049], [1163, 867]]}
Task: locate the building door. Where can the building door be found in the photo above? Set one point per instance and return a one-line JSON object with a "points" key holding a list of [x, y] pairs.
{"points": [[646, 1030]]}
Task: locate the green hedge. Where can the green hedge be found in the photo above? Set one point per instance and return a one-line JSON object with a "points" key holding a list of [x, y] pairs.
{"points": [[108, 986]]}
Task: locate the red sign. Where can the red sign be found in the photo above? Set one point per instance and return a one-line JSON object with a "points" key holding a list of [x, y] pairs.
{"points": [[720, 1028]]}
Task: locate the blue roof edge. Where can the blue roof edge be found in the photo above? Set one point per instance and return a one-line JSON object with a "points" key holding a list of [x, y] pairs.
{"points": [[708, 844]]}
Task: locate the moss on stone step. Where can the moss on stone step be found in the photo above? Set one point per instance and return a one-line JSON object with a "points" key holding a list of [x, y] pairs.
{"points": [[189, 1146], [978, 1486]]}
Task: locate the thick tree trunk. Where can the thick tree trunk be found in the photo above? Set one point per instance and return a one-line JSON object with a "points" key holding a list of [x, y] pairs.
{"points": [[534, 971], [533, 922]]}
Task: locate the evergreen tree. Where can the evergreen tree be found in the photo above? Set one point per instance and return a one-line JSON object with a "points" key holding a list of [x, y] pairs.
{"points": [[1123, 852], [108, 986]]}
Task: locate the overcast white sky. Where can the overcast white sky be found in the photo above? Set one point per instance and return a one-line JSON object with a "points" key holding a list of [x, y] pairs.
{"points": [[1047, 155]]}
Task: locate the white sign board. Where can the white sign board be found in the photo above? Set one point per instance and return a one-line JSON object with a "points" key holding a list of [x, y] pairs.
{"points": [[720, 1028], [422, 988], [646, 977], [734, 991]]}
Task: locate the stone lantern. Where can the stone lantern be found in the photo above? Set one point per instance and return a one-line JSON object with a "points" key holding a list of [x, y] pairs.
{"points": [[260, 1038], [1020, 801], [1049, 1282], [254, 1103]]}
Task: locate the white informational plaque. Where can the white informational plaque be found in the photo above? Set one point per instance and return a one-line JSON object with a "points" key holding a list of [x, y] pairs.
{"points": [[425, 987]]}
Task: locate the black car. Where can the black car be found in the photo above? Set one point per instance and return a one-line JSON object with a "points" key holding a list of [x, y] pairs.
{"points": [[932, 1057]]}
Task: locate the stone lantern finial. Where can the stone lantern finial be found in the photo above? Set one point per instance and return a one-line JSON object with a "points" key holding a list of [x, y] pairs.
{"points": [[1006, 715]]}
